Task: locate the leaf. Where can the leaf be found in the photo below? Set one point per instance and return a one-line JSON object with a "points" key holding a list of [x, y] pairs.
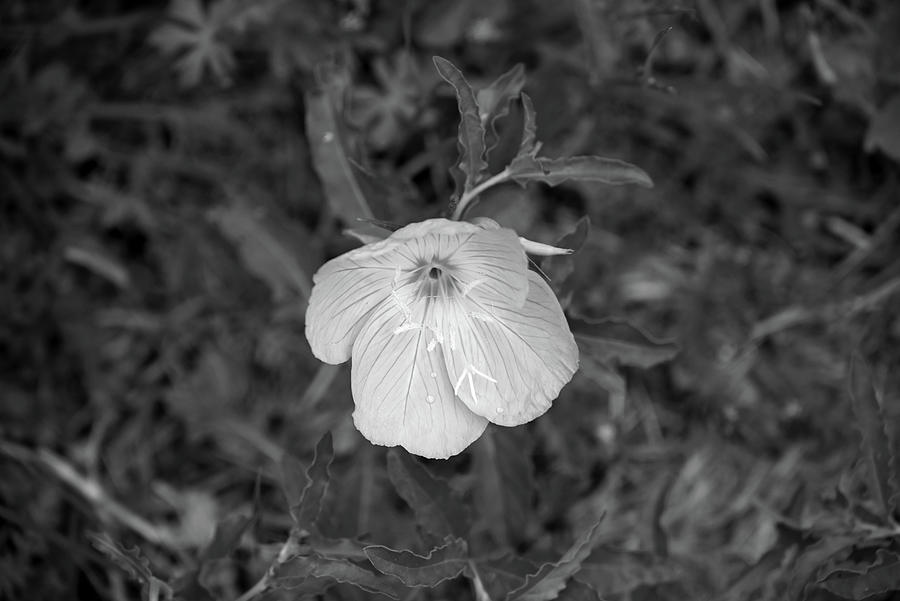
{"points": [[578, 591], [505, 483], [551, 578], [493, 101], [227, 536], [319, 572], [438, 510], [501, 575], [471, 132], [884, 129], [528, 168], [881, 577], [132, 561], [559, 268], [293, 479], [811, 559], [528, 147], [193, 35], [618, 342], [442, 563], [341, 179], [876, 447], [306, 511], [270, 248], [617, 572]]}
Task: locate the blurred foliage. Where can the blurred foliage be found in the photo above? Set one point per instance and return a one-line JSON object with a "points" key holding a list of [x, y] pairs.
{"points": [[172, 175]]}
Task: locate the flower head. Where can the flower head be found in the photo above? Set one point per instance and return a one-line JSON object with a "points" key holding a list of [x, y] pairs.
{"points": [[448, 330]]}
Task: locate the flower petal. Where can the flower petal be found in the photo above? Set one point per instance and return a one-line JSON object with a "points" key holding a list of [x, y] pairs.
{"points": [[508, 364], [346, 289], [491, 267], [401, 389]]}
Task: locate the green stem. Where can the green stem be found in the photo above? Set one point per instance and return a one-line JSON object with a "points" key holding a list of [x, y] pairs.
{"points": [[472, 194]]}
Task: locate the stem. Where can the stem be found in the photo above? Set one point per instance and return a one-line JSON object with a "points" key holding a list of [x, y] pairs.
{"points": [[257, 589], [472, 194]]}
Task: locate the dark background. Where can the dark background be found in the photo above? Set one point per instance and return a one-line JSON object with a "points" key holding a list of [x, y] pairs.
{"points": [[162, 210]]}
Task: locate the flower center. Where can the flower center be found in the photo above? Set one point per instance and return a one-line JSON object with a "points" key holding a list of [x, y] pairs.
{"points": [[434, 273]]}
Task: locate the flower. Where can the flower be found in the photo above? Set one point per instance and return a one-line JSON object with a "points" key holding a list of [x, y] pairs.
{"points": [[448, 330]]}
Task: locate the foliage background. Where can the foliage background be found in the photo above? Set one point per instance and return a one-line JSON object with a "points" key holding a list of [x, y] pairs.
{"points": [[172, 175]]}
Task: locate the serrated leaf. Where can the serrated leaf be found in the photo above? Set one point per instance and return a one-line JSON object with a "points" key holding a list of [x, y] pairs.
{"points": [[227, 536], [881, 577], [269, 248], [614, 572], [620, 343], [471, 132], [493, 100], [551, 578], [306, 511], [438, 510], [342, 181], [304, 571], [527, 168], [132, 561], [505, 482], [442, 563], [876, 446]]}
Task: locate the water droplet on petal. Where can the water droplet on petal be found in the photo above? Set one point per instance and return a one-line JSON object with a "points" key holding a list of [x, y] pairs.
{"points": [[429, 398], [499, 409], [433, 375]]}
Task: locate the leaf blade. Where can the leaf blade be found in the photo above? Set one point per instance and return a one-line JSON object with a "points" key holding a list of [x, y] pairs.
{"points": [[551, 578], [442, 563], [340, 179], [875, 445], [592, 168], [619, 342], [306, 511], [436, 507], [472, 163]]}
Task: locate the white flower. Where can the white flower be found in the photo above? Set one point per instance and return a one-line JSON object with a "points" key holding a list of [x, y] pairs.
{"points": [[448, 330]]}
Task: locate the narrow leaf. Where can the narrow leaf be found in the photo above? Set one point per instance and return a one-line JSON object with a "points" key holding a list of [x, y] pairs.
{"points": [[442, 563], [876, 447], [560, 268], [341, 179], [227, 536], [471, 132], [578, 591], [306, 511], [505, 483], [293, 479], [438, 510], [617, 572], [524, 169], [270, 248], [881, 577], [501, 575], [132, 561], [618, 342], [529, 145], [494, 100], [300, 570], [551, 578]]}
